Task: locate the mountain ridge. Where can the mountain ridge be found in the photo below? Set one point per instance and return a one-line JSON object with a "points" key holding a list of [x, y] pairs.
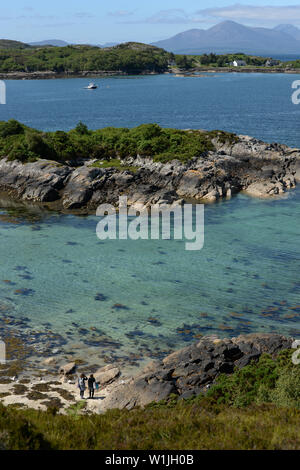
{"points": [[50, 42], [10, 44], [231, 37], [289, 29]]}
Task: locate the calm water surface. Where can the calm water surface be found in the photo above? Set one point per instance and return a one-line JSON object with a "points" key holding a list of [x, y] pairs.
{"points": [[255, 104]]}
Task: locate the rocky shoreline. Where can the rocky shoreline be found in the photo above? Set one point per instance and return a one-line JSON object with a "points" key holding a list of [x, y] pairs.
{"points": [[246, 164], [184, 373], [50, 74], [196, 71]]}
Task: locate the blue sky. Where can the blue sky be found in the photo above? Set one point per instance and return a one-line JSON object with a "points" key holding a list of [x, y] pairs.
{"points": [[97, 21]]}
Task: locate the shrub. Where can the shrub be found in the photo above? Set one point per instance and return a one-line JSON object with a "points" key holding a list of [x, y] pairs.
{"points": [[18, 433], [11, 127], [274, 381], [37, 145], [183, 425], [19, 151], [81, 129], [148, 140], [287, 389]]}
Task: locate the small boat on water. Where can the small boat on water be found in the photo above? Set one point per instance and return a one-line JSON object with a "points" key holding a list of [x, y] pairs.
{"points": [[91, 86]]}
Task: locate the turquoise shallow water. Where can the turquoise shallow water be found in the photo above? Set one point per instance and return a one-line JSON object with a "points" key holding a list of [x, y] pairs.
{"points": [[127, 300], [153, 296]]}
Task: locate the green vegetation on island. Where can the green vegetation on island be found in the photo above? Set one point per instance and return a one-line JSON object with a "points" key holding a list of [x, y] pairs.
{"points": [[187, 62], [294, 64], [257, 407], [129, 58], [8, 44], [132, 58], [19, 142], [226, 60]]}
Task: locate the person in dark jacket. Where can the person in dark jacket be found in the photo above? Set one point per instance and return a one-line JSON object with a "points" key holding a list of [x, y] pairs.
{"points": [[92, 385]]}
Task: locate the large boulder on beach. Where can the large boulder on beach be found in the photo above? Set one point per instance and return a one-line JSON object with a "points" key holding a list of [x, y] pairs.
{"points": [[107, 374], [198, 365], [68, 369], [263, 343], [141, 391], [193, 369]]}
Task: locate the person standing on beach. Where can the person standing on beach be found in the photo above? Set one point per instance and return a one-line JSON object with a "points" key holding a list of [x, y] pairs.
{"points": [[92, 384], [81, 385]]}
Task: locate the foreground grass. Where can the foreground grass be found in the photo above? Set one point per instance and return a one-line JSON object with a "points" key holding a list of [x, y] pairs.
{"points": [[186, 426]]}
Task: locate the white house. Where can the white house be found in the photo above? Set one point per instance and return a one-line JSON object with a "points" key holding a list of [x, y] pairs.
{"points": [[238, 63], [271, 62]]}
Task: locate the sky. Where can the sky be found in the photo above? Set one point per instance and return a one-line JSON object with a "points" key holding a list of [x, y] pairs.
{"points": [[99, 21]]}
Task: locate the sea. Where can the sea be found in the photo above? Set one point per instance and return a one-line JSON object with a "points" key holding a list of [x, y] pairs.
{"points": [[65, 292]]}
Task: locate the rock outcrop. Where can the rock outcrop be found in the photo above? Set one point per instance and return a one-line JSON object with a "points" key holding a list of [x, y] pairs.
{"points": [[248, 164], [68, 369], [107, 374], [190, 371]]}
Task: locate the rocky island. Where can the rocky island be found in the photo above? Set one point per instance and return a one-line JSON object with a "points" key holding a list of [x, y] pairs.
{"points": [[81, 169], [21, 61]]}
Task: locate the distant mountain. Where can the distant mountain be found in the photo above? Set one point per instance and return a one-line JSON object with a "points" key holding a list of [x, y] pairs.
{"points": [[230, 37], [60, 43], [50, 42], [110, 44], [289, 29], [8, 44]]}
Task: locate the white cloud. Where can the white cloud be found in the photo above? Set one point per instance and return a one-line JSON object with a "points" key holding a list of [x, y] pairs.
{"points": [[120, 13], [58, 20], [237, 12], [262, 13], [171, 16]]}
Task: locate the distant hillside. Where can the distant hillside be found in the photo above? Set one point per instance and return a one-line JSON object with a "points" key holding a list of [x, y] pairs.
{"points": [[136, 46], [8, 44], [130, 57], [289, 29], [109, 44], [60, 43], [50, 42], [230, 37]]}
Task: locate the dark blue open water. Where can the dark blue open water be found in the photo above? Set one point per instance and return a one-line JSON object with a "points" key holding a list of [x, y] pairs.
{"points": [[255, 104]]}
